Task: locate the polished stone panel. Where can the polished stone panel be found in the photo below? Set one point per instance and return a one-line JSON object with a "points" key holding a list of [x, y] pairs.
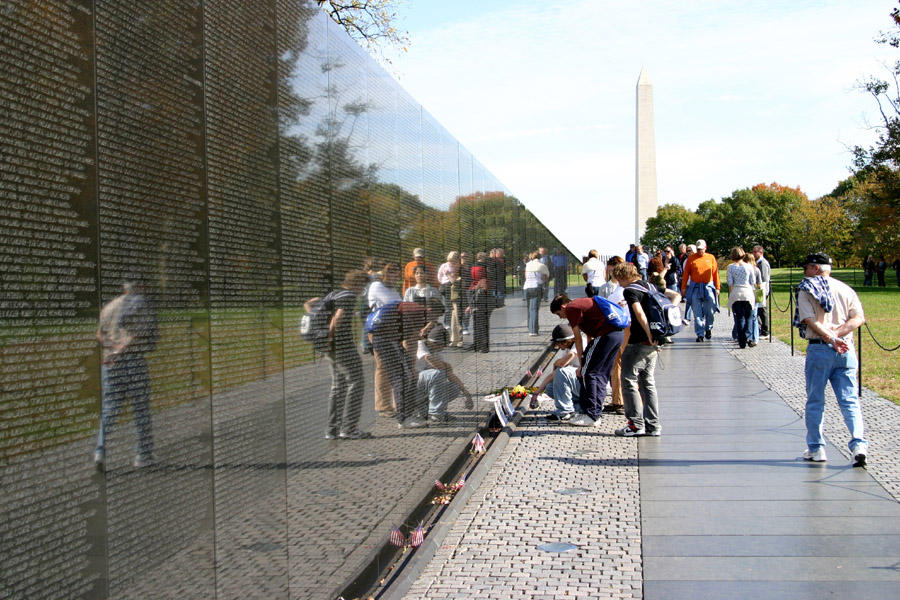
{"points": [[178, 179]]}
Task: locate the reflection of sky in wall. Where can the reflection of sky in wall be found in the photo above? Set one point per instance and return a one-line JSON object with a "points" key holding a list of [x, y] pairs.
{"points": [[352, 98]]}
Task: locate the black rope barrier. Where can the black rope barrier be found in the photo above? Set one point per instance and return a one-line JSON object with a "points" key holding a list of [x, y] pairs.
{"points": [[877, 343], [775, 302]]}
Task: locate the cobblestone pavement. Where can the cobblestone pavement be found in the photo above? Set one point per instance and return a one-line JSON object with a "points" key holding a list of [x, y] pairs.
{"points": [[784, 374], [492, 550]]}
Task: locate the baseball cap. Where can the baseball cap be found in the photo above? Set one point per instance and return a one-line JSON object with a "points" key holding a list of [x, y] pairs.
{"points": [[701, 244], [817, 258], [562, 332], [418, 253]]}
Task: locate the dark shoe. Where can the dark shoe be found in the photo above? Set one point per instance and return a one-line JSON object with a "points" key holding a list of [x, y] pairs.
{"points": [[699, 338], [614, 409], [709, 334], [751, 344], [355, 434], [557, 418]]}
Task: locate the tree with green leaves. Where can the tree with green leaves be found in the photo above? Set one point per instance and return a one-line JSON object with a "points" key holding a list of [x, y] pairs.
{"points": [[672, 224], [872, 195]]}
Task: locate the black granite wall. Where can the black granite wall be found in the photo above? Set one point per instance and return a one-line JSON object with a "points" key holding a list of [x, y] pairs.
{"points": [[232, 160]]}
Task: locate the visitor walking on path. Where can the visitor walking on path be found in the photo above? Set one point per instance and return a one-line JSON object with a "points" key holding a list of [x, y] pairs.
{"points": [[700, 284], [742, 281], [597, 357], [765, 270], [828, 311], [639, 353]]}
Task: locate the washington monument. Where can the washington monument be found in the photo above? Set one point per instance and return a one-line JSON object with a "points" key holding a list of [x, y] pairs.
{"points": [[645, 165]]}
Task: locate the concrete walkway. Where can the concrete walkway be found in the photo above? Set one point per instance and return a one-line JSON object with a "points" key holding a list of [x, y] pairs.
{"points": [[720, 506]]}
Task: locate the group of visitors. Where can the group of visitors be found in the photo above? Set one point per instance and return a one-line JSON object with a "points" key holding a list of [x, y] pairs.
{"points": [[412, 315], [873, 269]]}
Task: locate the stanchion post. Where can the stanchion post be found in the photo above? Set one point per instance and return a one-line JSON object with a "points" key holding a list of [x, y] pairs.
{"points": [[791, 317], [859, 358], [769, 300]]}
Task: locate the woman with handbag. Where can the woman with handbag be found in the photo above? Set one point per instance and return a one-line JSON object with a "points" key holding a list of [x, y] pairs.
{"points": [[741, 299]]}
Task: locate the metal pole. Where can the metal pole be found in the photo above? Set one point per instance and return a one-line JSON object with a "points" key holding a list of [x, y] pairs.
{"points": [[791, 316], [769, 315], [859, 357]]}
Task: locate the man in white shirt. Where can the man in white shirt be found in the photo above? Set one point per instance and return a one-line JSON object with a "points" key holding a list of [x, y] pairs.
{"points": [[593, 272], [828, 310], [536, 276]]}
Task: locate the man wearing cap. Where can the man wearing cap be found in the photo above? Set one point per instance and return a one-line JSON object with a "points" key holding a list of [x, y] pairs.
{"points": [[562, 383], [700, 288], [597, 357], [409, 271], [828, 310]]}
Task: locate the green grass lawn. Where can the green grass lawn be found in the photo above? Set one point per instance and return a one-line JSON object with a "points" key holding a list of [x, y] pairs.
{"points": [[880, 369]]}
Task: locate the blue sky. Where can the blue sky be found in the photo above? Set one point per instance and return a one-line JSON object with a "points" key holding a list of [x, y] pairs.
{"points": [[543, 93]]}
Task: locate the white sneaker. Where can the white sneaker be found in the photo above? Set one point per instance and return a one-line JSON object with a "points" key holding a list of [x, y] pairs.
{"points": [[581, 420], [817, 456], [412, 423], [99, 459], [629, 431], [143, 460]]}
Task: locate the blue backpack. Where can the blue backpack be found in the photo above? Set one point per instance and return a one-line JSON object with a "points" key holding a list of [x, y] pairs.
{"points": [[617, 316], [664, 317], [382, 317]]}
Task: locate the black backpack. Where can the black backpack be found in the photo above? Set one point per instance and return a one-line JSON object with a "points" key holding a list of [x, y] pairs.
{"points": [[314, 324], [663, 317]]}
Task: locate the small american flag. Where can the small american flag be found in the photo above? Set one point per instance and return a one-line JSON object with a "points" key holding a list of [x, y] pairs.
{"points": [[397, 538], [478, 443], [439, 485], [417, 537], [528, 372], [539, 373], [461, 483]]}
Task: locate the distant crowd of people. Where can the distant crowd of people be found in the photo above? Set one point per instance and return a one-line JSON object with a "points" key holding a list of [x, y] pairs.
{"points": [[598, 358], [873, 270], [413, 314]]}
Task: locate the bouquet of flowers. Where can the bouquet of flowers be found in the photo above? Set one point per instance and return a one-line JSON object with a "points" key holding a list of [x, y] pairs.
{"points": [[519, 392]]}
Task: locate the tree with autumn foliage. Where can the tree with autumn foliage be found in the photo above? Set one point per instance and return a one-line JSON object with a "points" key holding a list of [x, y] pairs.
{"points": [[872, 195]]}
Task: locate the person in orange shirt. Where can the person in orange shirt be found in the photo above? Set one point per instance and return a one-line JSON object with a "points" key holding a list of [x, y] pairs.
{"points": [[700, 287], [409, 271]]}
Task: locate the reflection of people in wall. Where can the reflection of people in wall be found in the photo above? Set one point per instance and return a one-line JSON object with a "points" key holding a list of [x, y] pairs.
{"points": [[560, 272], [409, 275], [127, 331], [480, 306], [437, 383], [465, 282], [422, 290], [382, 291], [347, 384]]}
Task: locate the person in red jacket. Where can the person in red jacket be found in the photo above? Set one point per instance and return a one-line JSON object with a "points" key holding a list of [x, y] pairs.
{"points": [[596, 358]]}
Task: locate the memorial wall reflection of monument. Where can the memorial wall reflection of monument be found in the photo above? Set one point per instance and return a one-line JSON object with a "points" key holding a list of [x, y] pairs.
{"points": [[225, 161]]}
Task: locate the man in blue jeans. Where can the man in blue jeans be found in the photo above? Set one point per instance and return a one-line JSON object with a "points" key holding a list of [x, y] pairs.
{"points": [[827, 312]]}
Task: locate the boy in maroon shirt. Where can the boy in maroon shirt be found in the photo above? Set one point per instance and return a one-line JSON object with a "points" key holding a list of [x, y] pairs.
{"points": [[597, 358]]}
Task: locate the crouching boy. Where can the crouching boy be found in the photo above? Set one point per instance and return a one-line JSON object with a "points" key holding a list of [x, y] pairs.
{"points": [[562, 383], [437, 384]]}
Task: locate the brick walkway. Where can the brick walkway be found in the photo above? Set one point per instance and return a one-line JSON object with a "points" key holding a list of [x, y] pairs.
{"points": [[718, 507]]}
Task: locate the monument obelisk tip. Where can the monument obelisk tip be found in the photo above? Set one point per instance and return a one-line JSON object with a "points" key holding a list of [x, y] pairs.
{"points": [[645, 201]]}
